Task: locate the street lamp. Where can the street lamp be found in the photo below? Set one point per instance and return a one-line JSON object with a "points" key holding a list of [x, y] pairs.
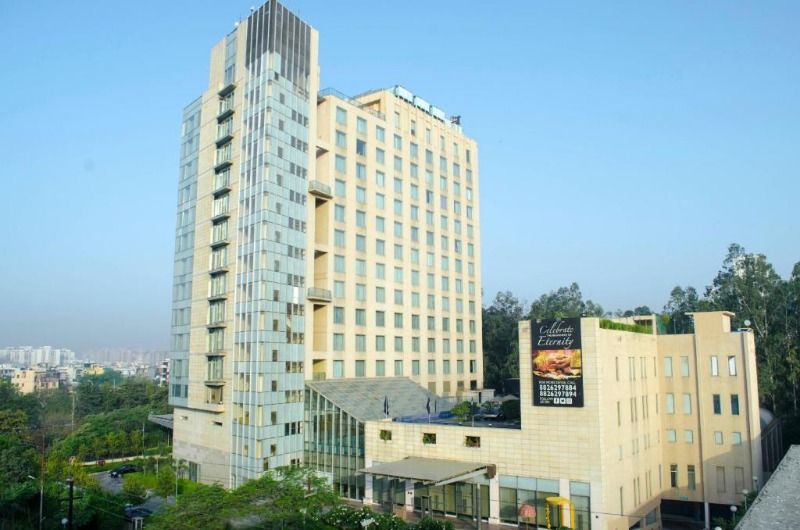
{"points": [[733, 515], [745, 493], [41, 499]]}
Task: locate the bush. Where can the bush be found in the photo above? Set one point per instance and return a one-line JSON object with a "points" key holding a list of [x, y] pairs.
{"points": [[428, 523], [462, 410], [510, 409], [134, 488]]}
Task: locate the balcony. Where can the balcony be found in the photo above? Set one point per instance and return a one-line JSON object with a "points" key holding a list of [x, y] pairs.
{"points": [[227, 89], [320, 189], [220, 243], [216, 325], [214, 382], [213, 406], [225, 112], [224, 138], [222, 164], [318, 294], [220, 216]]}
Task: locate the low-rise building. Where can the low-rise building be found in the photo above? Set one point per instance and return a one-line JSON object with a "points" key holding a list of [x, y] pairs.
{"points": [[615, 426], [36, 380]]}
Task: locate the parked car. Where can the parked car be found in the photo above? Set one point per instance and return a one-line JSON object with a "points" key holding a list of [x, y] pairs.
{"points": [[126, 468]]}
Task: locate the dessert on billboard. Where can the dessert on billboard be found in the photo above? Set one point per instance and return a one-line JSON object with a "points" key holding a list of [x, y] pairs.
{"points": [[557, 363]]}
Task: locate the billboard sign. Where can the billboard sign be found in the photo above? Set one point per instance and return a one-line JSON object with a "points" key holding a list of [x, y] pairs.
{"points": [[557, 363]]}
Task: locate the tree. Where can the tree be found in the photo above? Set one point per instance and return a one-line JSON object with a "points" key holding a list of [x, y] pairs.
{"points": [[681, 301], [500, 339], [564, 302], [748, 285]]}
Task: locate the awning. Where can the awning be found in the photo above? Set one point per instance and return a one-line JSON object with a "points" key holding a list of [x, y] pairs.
{"points": [[428, 470]]}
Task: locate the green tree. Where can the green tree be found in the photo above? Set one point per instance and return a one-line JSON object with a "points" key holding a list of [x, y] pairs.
{"points": [[681, 301], [564, 302], [500, 339], [748, 285]]}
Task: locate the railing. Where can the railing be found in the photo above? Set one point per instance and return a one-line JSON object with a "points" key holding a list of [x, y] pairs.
{"points": [[320, 188], [335, 93], [318, 293]]}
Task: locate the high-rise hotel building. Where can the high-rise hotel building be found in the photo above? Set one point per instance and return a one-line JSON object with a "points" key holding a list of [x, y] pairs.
{"points": [[318, 237]]}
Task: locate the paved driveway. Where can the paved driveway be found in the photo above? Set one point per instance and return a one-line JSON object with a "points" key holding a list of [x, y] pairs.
{"points": [[108, 483]]}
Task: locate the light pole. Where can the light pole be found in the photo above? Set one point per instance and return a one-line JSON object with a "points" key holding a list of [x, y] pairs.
{"points": [[733, 515], [41, 498], [745, 493]]}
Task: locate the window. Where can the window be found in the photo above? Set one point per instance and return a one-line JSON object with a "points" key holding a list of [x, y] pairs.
{"points": [[688, 436], [738, 479], [341, 164], [341, 116], [398, 344], [687, 403], [380, 343], [472, 441], [736, 438], [341, 139], [690, 475], [718, 438], [338, 370], [429, 438], [338, 315], [672, 436], [338, 342], [735, 404], [684, 367], [398, 368], [670, 405], [720, 479], [361, 125], [380, 133], [361, 343], [361, 292], [714, 365], [380, 368], [431, 367], [339, 213], [673, 475], [414, 367], [360, 368], [731, 365], [717, 404], [386, 435]]}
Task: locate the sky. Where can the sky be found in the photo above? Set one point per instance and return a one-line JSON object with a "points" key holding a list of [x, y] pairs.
{"points": [[623, 145]]}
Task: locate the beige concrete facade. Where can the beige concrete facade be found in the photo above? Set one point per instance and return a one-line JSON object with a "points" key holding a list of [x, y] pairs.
{"points": [[301, 266], [396, 244], [616, 442], [35, 380]]}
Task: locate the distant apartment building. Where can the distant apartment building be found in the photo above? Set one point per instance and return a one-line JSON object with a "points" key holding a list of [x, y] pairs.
{"points": [[318, 237], [37, 379], [27, 356], [162, 373]]}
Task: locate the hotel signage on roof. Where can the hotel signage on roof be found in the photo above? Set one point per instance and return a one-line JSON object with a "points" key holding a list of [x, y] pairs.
{"points": [[556, 362]]}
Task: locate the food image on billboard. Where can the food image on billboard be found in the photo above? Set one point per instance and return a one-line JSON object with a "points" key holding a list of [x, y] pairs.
{"points": [[557, 363]]}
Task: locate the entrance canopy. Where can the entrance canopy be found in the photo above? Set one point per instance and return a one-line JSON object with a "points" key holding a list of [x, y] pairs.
{"points": [[430, 471]]}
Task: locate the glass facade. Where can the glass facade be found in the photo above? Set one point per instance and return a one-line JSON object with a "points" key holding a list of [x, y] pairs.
{"points": [[269, 320], [334, 445], [184, 255]]}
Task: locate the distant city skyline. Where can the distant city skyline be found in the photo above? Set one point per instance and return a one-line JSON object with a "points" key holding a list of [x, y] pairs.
{"points": [[622, 149]]}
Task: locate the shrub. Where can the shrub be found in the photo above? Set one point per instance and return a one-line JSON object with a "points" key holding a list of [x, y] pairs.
{"points": [[510, 409]]}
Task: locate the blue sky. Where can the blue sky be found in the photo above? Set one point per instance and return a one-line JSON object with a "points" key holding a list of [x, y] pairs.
{"points": [[623, 145]]}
